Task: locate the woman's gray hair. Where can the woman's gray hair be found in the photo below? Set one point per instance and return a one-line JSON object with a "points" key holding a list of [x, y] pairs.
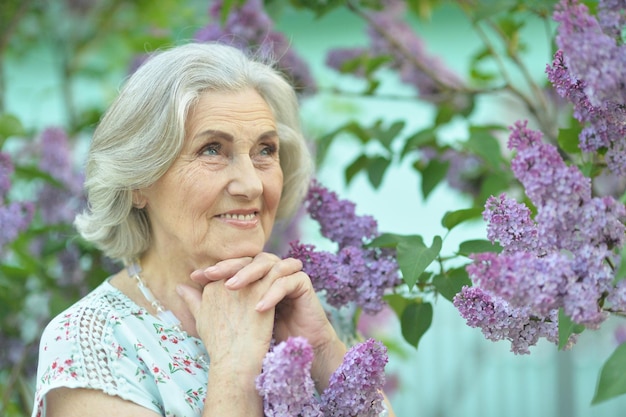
{"points": [[143, 131]]}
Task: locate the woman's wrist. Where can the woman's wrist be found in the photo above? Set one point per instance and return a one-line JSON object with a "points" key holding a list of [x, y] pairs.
{"points": [[328, 357]]}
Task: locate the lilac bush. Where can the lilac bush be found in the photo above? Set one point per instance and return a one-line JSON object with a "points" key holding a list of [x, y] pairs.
{"points": [[560, 259], [597, 92]]}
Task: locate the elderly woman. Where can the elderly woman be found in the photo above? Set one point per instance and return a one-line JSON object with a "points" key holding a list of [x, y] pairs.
{"points": [[187, 173]]}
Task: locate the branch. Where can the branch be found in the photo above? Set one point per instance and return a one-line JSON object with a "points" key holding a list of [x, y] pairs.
{"points": [[406, 53], [542, 112]]}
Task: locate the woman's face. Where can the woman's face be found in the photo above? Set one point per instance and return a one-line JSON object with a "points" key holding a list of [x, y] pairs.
{"points": [[219, 198]]}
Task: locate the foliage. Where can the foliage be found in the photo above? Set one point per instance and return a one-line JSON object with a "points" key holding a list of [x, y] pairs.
{"points": [[45, 267]]}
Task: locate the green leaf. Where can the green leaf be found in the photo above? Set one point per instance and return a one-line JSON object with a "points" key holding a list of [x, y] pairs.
{"points": [[415, 321], [432, 175], [358, 131], [386, 136], [478, 246], [612, 380], [566, 328], [418, 140], [568, 139], [323, 143], [397, 303], [376, 168], [620, 274], [414, 257], [355, 167], [451, 283], [374, 63], [445, 113], [391, 240], [32, 172], [494, 185], [227, 5], [10, 126], [484, 144], [454, 218]]}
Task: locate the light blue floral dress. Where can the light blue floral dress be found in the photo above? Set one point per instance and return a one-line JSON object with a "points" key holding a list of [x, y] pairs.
{"points": [[107, 342]]}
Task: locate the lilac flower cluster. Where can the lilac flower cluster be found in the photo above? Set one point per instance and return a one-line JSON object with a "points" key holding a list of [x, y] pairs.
{"points": [[560, 259], [285, 383], [391, 36], [589, 70], [498, 320], [354, 388], [58, 204], [248, 27], [354, 273], [15, 216]]}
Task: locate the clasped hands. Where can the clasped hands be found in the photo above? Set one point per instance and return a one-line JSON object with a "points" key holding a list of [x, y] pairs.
{"points": [[243, 302]]}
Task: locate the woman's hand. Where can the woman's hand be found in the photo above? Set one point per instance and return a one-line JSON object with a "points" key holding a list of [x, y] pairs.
{"points": [[235, 335], [289, 292]]}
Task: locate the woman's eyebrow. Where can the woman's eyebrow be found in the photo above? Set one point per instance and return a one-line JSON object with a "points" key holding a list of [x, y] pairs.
{"points": [[219, 134], [209, 133]]}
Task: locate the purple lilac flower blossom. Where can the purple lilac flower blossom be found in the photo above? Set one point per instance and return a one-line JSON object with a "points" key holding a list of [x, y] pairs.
{"points": [[285, 382], [559, 259], [354, 273], [589, 70], [249, 28], [6, 170], [498, 320], [463, 171], [338, 219], [617, 296], [510, 223], [59, 204], [336, 58], [15, 216], [523, 279], [354, 388]]}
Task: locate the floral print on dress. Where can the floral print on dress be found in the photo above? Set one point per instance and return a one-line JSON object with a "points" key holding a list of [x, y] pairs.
{"points": [[106, 342]]}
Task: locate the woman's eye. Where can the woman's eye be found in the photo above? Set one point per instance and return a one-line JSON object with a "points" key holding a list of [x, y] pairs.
{"points": [[212, 149], [268, 150]]}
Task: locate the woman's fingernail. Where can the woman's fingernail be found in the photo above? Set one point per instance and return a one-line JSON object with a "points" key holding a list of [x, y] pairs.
{"points": [[199, 273], [232, 282], [260, 306]]}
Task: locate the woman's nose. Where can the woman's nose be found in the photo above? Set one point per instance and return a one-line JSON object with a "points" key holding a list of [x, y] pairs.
{"points": [[245, 181]]}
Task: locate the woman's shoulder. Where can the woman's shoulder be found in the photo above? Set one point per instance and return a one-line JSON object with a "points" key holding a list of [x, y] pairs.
{"points": [[90, 345], [91, 317]]}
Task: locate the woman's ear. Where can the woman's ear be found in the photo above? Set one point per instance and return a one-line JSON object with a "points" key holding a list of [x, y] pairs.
{"points": [[139, 200]]}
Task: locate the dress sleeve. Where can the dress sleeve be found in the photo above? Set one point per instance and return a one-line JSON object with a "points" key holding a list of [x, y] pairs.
{"points": [[82, 348]]}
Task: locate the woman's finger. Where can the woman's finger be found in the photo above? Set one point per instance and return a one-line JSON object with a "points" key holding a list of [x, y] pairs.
{"points": [[221, 270], [192, 297], [264, 267], [287, 286]]}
